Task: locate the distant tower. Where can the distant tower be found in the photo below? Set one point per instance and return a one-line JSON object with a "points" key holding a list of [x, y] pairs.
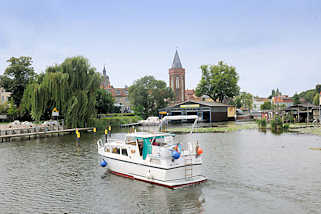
{"points": [[177, 79], [106, 83]]}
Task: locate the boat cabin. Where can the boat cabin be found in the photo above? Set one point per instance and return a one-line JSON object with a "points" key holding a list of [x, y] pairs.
{"points": [[140, 144]]}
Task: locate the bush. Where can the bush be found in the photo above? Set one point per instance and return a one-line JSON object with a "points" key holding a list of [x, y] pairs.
{"points": [[286, 126], [4, 108], [276, 123], [289, 118], [115, 115], [113, 121], [262, 123]]}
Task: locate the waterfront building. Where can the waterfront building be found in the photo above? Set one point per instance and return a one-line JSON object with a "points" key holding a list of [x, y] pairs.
{"points": [[282, 100], [121, 98], [207, 111], [303, 112], [120, 95], [257, 102], [4, 96], [177, 79]]}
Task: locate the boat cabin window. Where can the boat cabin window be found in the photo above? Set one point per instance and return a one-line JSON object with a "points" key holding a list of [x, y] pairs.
{"points": [[131, 140], [116, 150], [124, 152]]}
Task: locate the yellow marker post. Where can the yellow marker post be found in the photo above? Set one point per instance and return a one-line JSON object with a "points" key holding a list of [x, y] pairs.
{"points": [[106, 133], [109, 131], [94, 130]]}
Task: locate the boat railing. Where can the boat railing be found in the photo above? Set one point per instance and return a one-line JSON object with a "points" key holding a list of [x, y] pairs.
{"points": [[113, 141]]}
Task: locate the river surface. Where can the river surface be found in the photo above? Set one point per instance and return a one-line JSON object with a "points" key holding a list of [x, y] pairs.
{"points": [[248, 172]]}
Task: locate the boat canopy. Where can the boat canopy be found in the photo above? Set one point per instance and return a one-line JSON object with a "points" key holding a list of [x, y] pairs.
{"points": [[146, 135]]}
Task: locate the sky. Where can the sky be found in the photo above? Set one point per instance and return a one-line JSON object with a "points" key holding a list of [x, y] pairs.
{"points": [[272, 44]]}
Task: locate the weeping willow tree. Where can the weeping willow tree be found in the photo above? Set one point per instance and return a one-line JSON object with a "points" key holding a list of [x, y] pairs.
{"points": [[70, 87]]}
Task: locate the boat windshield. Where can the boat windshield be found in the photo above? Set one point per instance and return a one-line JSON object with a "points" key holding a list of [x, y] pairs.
{"points": [[130, 140]]}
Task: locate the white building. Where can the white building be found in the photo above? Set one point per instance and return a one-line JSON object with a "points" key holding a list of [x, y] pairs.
{"points": [[4, 96], [257, 102]]}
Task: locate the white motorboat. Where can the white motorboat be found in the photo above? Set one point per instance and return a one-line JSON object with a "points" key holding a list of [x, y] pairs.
{"points": [[155, 158], [150, 121]]}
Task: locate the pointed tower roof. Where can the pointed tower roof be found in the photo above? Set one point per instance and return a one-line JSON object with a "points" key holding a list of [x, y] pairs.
{"points": [[177, 62], [104, 71]]}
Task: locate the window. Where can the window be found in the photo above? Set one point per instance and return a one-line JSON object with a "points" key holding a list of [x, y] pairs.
{"points": [[117, 92], [126, 92], [124, 151], [172, 82], [116, 150], [177, 82]]}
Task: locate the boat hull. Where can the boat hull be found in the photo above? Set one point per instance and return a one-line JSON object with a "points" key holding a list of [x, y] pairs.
{"points": [[172, 177]]}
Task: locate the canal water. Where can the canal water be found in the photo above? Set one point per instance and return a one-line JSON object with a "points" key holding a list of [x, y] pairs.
{"points": [[248, 172]]}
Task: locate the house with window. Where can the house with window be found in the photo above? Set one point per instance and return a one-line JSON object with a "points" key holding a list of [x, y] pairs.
{"points": [[4, 96], [282, 100], [121, 98], [257, 102]]}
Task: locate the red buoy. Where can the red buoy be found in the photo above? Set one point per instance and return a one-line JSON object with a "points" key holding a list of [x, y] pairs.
{"points": [[199, 151]]}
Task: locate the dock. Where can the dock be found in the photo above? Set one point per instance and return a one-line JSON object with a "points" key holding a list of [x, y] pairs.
{"points": [[129, 125], [8, 134]]}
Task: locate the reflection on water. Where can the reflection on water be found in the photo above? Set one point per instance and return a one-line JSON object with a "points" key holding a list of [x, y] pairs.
{"points": [[248, 171]]}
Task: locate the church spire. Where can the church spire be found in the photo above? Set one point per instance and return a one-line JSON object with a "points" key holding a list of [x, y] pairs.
{"points": [[177, 62], [104, 71]]}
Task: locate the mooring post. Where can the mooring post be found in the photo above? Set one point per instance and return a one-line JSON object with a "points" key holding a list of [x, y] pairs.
{"points": [[106, 133]]}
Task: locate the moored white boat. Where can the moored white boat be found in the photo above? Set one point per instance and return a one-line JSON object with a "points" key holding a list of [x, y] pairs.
{"points": [[155, 158]]}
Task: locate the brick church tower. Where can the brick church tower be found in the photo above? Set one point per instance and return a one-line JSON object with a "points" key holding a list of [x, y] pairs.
{"points": [[177, 79], [106, 82]]}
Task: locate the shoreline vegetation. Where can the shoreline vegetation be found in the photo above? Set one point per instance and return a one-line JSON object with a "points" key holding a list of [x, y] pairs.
{"points": [[230, 127], [116, 119], [300, 128]]}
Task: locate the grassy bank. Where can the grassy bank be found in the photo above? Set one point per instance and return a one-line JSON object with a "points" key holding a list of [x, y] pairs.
{"points": [[304, 128], [115, 121], [220, 129]]}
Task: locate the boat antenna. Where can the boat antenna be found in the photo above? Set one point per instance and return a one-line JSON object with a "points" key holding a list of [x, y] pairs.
{"points": [[194, 124]]}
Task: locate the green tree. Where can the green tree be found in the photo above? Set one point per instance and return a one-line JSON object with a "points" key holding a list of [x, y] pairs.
{"points": [[308, 95], [104, 101], [318, 88], [4, 108], [218, 82], [266, 106], [16, 77], [70, 87], [244, 100], [12, 110], [316, 99], [296, 99], [147, 95]]}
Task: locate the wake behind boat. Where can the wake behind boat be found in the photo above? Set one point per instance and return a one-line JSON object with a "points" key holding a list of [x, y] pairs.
{"points": [[154, 157]]}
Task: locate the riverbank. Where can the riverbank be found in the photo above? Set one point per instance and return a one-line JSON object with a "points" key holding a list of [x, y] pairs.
{"points": [[230, 127], [300, 128], [305, 129]]}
